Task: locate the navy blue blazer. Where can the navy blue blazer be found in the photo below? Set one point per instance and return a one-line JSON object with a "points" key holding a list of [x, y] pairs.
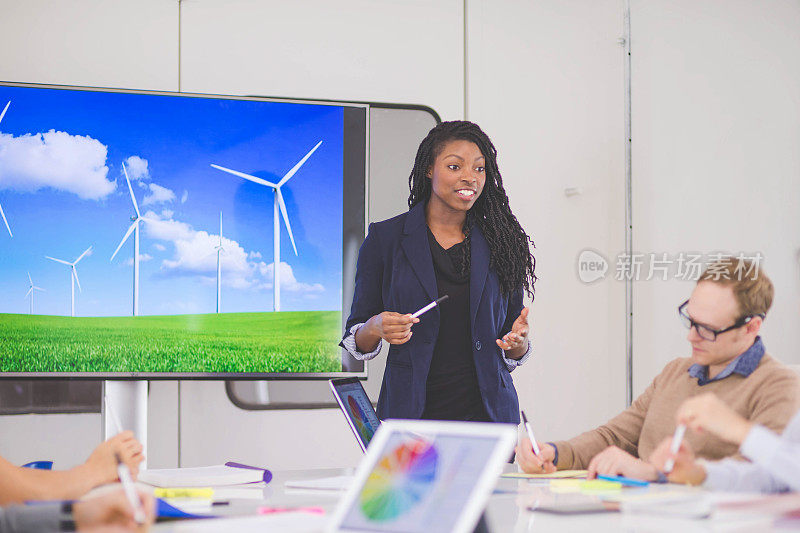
{"points": [[395, 273]]}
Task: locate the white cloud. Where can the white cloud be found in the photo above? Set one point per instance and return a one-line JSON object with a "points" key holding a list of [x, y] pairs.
{"points": [[158, 195], [195, 255], [137, 168], [185, 196], [143, 258], [56, 159], [288, 281], [159, 247], [166, 229]]}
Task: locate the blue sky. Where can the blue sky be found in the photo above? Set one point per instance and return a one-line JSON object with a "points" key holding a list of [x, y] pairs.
{"points": [[62, 190]]}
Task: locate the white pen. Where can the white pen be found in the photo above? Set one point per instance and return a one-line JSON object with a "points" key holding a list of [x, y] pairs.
{"points": [[676, 445], [130, 491], [430, 306], [530, 434]]}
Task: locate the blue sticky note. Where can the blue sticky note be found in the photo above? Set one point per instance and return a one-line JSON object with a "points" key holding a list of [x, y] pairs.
{"points": [[625, 481]]}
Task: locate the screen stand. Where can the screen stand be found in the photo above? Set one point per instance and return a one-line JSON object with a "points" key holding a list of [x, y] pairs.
{"points": [[262, 391], [125, 405]]}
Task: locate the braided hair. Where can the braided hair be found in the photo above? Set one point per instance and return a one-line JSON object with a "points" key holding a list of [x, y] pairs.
{"points": [[509, 252]]}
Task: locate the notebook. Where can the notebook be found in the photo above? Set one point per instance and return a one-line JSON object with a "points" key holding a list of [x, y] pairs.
{"points": [[204, 476], [560, 474]]}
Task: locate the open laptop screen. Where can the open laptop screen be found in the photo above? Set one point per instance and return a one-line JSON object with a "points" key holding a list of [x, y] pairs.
{"points": [[357, 409]]}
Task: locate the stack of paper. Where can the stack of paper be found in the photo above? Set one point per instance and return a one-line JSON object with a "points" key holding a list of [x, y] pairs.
{"points": [[203, 476], [560, 474]]}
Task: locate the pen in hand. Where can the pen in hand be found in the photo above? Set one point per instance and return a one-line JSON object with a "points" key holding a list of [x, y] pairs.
{"points": [[430, 306], [130, 491], [676, 445], [528, 428]]}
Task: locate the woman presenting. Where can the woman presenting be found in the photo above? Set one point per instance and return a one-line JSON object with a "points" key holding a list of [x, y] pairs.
{"points": [[460, 239]]}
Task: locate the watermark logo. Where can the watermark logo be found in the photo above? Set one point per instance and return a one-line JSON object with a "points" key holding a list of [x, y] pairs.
{"points": [[685, 266], [591, 266]]}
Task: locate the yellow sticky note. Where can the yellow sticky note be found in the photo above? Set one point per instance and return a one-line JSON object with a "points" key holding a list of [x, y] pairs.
{"points": [[182, 492], [600, 485], [566, 485]]}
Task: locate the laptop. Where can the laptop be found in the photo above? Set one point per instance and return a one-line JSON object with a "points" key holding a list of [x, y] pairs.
{"points": [[424, 476], [363, 421], [357, 409]]}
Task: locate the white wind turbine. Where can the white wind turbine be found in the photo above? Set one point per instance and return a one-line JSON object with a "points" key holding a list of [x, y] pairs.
{"points": [[1, 207], [220, 250], [33, 288], [134, 227], [73, 276], [278, 204]]}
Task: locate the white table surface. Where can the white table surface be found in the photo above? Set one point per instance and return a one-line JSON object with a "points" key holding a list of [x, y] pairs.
{"points": [[507, 511]]}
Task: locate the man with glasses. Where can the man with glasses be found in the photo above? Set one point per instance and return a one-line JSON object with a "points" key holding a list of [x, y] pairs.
{"points": [[724, 315]]}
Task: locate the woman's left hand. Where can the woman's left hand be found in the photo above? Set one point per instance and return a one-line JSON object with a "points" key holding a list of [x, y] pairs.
{"points": [[516, 340]]}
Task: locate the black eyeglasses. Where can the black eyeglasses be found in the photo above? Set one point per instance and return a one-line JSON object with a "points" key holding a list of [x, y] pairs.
{"points": [[706, 332]]}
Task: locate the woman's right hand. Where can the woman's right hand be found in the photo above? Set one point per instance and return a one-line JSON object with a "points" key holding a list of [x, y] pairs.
{"points": [[392, 327]]}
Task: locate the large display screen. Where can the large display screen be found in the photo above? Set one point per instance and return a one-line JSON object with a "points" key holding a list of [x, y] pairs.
{"points": [[140, 233]]}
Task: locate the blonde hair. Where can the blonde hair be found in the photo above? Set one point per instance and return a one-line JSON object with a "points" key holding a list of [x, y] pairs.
{"points": [[752, 288]]}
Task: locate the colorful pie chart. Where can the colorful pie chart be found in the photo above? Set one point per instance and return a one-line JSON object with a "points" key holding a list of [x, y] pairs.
{"points": [[401, 479], [360, 419]]}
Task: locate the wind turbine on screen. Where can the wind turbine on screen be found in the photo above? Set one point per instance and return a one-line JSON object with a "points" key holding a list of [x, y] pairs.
{"points": [[278, 204], [220, 250], [73, 276], [134, 228], [1, 207], [33, 288]]}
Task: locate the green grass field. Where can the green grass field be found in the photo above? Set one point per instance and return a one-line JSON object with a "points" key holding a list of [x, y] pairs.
{"points": [[304, 341]]}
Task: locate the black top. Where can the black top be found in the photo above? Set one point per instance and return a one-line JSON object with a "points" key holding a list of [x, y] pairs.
{"points": [[452, 391]]}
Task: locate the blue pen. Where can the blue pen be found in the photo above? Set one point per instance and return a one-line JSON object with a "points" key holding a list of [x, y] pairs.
{"points": [[625, 480]]}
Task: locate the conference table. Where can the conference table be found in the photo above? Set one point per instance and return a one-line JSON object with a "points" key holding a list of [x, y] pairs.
{"points": [[509, 510]]}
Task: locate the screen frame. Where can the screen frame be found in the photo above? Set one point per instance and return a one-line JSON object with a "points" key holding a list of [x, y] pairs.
{"points": [[224, 376]]}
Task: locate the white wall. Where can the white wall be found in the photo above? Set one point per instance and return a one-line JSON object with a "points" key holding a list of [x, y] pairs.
{"points": [[395, 51], [132, 45], [715, 117], [716, 165], [546, 83]]}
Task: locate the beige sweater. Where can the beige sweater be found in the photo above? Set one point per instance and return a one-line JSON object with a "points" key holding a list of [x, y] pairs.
{"points": [[770, 396]]}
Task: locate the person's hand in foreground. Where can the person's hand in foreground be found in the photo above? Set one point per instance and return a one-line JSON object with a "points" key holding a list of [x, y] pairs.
{"points": [[707, 413], [614, 461], [515, 342], [532, 464], [111, 512], [18, 484], [686, 469], [102, 463]]}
